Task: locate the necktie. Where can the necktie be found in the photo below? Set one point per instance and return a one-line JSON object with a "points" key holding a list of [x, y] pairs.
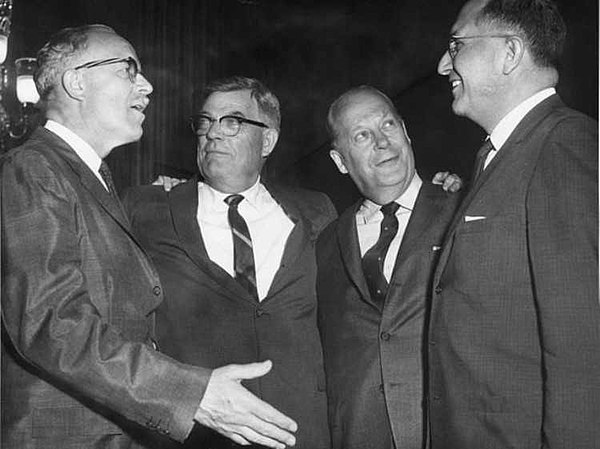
{"points": [[374, 258], [106, 176], [480, 158], [243, 257]]}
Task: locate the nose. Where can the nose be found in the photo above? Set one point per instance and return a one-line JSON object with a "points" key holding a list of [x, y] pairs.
{"points": [[214, 130], [445, 65], [143, 84], [381, 141]]}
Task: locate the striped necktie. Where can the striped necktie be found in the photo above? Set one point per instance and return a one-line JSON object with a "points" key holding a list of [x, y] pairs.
{"points": [[243, 257], [374, 258]]}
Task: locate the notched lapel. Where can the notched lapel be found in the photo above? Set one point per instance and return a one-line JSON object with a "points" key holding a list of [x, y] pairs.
{"points": [[87, 178], [347, 237]]}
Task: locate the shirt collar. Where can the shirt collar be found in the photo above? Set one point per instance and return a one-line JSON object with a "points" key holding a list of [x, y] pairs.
{"points": [[212, 199], [507, 125], [368, 210], [80, 146]]}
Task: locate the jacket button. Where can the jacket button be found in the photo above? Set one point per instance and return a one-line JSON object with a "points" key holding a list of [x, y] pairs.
{"points": [[156, 290], [438, 289], [385, 336], [431, 342], [260, 312], [381, 388]]}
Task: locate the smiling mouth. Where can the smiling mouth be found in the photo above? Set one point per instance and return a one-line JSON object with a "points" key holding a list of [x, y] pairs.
{"points": [[454, 84], [386, 161]]}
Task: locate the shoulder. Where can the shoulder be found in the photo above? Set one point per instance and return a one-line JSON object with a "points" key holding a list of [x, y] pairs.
{"points": [[147, 200], [570, 142], [314, 206], [434, 194], [343, 223]]}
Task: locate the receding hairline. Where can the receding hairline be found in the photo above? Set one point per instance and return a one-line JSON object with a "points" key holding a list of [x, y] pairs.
{"points": [[341, 104]]}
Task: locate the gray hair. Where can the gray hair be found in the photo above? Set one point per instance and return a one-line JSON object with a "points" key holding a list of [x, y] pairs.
{"points": [[267, 102], [58, 54]]}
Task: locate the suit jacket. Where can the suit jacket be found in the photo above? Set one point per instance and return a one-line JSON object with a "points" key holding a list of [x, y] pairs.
{"points": [[515, 324], [208, 318], [78, 296], [374, 358]]}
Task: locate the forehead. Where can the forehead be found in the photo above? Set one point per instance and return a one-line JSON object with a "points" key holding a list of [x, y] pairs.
{"points": [[237, 101], [105, 44], [363, 107], [466, 17]]}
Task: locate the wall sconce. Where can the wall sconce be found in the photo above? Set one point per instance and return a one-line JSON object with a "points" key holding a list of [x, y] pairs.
{"points": [[15, 128]]}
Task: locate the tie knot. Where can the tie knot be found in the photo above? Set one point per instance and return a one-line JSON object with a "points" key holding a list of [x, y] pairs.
{"points": [[390, 209], [234, 200]]}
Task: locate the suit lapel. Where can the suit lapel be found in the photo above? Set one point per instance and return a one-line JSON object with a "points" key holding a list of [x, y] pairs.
{"points": [[514, 144], [297, 242], [347, 237], [87, 178], [427, 208], [183, 203]]}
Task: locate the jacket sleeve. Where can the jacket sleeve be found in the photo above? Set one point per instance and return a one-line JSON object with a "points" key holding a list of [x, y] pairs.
{"points": [[55, 325], [562, 217]]}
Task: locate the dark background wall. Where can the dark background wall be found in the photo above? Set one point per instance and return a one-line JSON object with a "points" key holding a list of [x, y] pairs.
{"points": [[307, 52]]}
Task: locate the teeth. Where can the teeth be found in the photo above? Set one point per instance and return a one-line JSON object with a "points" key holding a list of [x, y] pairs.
{"points": [[455, 83]]}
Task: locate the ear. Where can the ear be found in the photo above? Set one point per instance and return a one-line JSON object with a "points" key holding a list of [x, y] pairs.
{"points": [[270, 137], [73, 84], [515, 49], [405, 131], [338, 159]]}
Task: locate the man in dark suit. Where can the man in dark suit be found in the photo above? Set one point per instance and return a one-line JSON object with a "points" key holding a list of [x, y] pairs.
{"points": [[372, 316], [252, 301], [515, 321], [79, 358]]}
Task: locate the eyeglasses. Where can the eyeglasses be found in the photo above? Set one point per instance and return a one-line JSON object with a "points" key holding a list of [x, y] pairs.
{"points": [[455, 41], [229, 124], [132, 67]]}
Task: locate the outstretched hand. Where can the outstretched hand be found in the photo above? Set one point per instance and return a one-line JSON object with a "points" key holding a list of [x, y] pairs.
{"points": [[450, 182], [230, 409]]}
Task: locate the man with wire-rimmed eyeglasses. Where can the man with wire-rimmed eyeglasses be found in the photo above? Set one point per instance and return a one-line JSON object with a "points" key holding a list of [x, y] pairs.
{"points": [[236, 258], [515, 322], [81, 366]]}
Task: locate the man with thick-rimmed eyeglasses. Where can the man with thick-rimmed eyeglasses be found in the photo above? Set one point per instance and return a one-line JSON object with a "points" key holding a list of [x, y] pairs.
{"points": [[81, 366], [236, 258], [515, 322]]}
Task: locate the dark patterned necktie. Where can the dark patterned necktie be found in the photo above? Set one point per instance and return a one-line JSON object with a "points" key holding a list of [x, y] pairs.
{"points": [[243, 257], [480, 158], [374, 258], [107, 177]]}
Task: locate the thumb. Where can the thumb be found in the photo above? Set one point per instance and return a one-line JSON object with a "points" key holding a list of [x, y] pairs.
{"points": [[252, 370]]}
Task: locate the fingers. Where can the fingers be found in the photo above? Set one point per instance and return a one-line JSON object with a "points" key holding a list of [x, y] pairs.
{"points": [[440, 177], [248, 371], [452, 183], [167, 182], [233, 411]]}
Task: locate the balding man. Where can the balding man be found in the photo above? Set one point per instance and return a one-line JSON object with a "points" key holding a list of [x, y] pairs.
{"points": [[79, 360], [375, 265]]}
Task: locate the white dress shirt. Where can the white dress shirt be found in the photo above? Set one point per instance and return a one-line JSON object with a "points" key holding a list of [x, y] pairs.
{"points": [[369, 218], [509, 122], [268, 225], [85, 152]]}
